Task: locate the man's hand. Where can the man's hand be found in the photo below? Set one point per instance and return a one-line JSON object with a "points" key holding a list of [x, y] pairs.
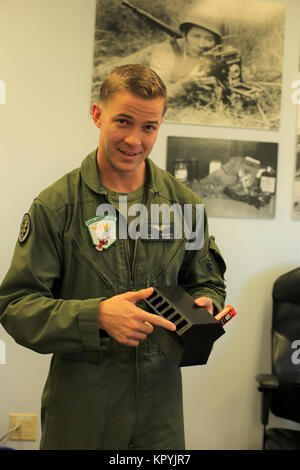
{"points": [[127, 323], [206, 303]]}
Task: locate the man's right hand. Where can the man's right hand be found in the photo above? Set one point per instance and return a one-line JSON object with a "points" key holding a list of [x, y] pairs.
{"points": [[127, 323]]}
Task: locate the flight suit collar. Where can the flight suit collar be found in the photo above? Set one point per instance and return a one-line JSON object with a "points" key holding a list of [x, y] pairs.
{"points": [[90, 174]]}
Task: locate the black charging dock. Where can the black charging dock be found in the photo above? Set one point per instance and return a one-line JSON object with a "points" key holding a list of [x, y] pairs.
{"points": [[196, 329]]}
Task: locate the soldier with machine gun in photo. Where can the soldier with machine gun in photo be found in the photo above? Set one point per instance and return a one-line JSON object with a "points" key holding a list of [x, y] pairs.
{"points": [[195, 64], [198, 69]]}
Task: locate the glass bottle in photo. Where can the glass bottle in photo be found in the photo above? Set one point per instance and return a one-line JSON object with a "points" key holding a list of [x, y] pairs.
{"points": [[268, 180], [181, 170]]}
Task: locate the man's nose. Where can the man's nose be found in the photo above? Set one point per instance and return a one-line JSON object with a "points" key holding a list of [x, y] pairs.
{"points": [[133, 138], [201, 42], [202, 39]]}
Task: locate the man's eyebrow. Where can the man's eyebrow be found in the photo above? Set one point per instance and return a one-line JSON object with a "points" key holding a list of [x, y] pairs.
{"points": [[127, 116], [123, 115], [152, 122]]}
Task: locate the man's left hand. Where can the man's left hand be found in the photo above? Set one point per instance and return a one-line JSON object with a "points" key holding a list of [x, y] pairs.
{"points": [[205, 302]]}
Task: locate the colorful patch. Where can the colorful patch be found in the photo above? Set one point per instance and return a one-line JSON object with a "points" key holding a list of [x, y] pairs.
{"points": [[25, 228], [103, 231]]}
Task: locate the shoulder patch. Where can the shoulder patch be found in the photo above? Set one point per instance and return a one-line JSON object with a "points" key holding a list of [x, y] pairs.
{"points": [[24, 228]]}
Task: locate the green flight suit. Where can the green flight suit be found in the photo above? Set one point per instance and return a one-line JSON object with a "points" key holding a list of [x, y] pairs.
{"points": [[100, 394]]}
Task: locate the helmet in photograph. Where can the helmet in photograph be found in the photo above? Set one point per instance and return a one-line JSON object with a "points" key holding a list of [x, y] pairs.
{"points": [[204, 19]]}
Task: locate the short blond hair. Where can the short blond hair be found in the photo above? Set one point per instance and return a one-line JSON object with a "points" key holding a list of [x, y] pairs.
{"points": [[134, 78]]}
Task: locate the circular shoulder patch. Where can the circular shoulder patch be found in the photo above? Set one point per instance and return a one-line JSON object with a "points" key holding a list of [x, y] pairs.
{"points": [[25, 228]]}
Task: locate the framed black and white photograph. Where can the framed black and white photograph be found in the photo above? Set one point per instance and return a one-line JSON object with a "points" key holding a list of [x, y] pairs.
{"points": [[220, 59], [296, 199], [234, 178]]}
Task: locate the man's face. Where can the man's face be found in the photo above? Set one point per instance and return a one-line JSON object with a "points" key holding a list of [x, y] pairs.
{"points": [[129, 128], [199, 40]]}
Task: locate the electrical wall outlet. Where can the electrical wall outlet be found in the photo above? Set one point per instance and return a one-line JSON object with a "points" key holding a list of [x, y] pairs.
{"points": [[28, 425]]}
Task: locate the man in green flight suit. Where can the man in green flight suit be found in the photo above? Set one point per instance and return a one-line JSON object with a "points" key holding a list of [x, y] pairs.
{"points": [[75, 288]]}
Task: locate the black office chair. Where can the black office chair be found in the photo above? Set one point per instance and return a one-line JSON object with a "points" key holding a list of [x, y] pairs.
{"points": [[281, 389]]}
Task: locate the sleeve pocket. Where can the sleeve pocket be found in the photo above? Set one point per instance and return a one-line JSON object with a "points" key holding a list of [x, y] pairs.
{"points": [[215, 260]]}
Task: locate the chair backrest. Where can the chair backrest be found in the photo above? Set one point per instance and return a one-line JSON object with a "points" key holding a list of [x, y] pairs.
{"points": [[285, 341]]}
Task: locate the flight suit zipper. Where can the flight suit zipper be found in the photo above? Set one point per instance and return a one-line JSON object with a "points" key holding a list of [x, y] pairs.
{"points": [[133, 264], [132, 281]]}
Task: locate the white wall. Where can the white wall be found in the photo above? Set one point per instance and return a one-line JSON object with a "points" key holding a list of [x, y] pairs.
{"points": [[46, 58]]}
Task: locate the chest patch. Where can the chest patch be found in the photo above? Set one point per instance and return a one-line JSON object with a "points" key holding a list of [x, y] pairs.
{"points": [[103, 232]]}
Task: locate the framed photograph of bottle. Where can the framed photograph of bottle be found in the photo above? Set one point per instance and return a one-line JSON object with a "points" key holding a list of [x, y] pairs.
{"points": [[234, 178], [296, 199]]}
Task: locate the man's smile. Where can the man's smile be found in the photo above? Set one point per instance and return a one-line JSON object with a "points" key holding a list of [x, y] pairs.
{"points": [[128, 154]]}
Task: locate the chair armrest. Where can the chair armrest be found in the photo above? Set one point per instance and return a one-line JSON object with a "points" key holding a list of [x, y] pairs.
{"points": [[267, 382]]}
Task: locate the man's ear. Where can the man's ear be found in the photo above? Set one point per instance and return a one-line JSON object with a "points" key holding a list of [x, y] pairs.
{"points": [[97, 114]]}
